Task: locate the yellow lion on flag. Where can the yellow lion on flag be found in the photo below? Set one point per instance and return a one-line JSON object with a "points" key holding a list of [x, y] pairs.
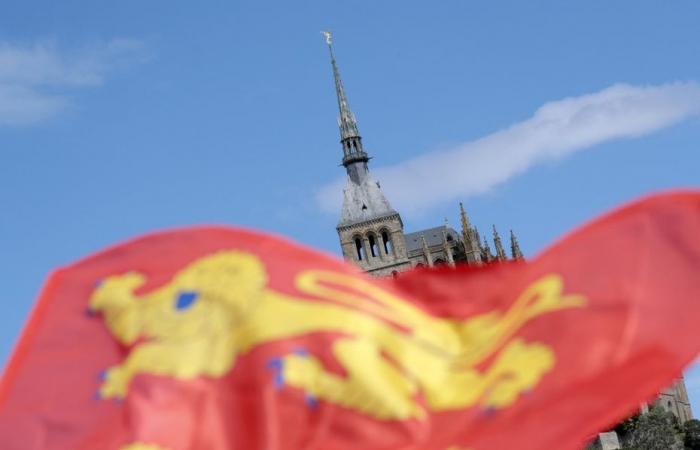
{"points": [[219, 307]]}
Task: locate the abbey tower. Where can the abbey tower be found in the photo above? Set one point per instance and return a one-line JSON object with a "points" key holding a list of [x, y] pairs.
{"points": [[372, 235], [371, 231]]}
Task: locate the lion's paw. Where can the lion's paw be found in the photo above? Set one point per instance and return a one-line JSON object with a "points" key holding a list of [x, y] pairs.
{"points": [[299, 370], [115, 381]]}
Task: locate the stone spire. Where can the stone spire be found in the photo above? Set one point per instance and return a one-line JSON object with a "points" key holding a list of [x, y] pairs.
{"points": [[500, 253], [464, 220], [446, 247], [469, 239], [426, 251], [363, 199], [515, 247], [349, 135], [366, 215], [486, 254]]}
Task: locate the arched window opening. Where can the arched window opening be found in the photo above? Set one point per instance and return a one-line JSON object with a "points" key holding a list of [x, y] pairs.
{"points": [[373, 247], [419, 265], [449, 238], [387, 243], [439, 262], [360, 249]]}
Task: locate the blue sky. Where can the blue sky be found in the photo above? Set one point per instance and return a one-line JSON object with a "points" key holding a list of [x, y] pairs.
{"points": [[118, 118]]}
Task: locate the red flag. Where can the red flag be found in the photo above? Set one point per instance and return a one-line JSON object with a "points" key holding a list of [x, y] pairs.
{"points": [[220, 338]]}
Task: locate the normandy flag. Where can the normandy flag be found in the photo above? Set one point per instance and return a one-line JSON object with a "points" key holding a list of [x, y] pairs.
{"points": [[222, 338]]}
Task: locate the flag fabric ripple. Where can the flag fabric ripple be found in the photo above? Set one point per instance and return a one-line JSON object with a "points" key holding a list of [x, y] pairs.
{"points": [[217, 338]]}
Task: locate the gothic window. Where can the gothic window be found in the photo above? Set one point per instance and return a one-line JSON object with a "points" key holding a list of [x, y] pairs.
{"points": [[439, 262], [387, 242], [373, 247], [419, 265], [360, 250]]}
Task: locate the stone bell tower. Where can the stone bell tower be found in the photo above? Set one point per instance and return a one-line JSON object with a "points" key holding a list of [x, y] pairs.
{"points": [[370, 230]]}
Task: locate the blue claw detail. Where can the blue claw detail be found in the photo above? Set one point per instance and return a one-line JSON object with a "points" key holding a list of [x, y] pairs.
{"points": [[90, 312], [96, 396], [279, 380], [311, 401], [301, 351], [489, 411], [102, 375], [276, 364], [99, 282]]}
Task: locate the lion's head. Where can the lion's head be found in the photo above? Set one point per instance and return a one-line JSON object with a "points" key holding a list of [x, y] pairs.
{"points": [[209, 296]]}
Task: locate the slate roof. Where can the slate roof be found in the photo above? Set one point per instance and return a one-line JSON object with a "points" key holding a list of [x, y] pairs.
{"points": [[433, 237], [363, 201]]}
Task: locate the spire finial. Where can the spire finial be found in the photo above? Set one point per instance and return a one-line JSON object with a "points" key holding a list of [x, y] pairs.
{"points": [[472, 249], [426, 251], [463, 217], [327, 35], [446, 247], [500, 253], [515, 247], [486, 252], [349, 135]]}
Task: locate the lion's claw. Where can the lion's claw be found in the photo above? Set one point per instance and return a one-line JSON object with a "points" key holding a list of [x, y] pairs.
{"points": [[277, 366], [311, 400]]}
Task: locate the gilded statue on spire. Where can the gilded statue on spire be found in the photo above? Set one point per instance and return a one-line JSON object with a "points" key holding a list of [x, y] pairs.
{"points": [[327, 35]]}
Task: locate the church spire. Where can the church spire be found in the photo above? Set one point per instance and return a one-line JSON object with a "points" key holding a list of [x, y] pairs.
{"points": [[470, 241], [446, 247], [515, 247], [426, 251], [449, 256], [500, 253], [366, 214], [486, 254], [349, 135]]}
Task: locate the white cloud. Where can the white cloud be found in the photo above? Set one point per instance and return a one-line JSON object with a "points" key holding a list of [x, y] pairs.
{"points": [[36, 80], [557, 129]]}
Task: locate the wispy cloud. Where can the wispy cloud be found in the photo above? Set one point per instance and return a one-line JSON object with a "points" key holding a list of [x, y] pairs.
{"points": [[36, 80], [555, 130]]}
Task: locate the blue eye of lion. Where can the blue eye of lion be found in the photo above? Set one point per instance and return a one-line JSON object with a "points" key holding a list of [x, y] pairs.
{"points": [[185, 299]]}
